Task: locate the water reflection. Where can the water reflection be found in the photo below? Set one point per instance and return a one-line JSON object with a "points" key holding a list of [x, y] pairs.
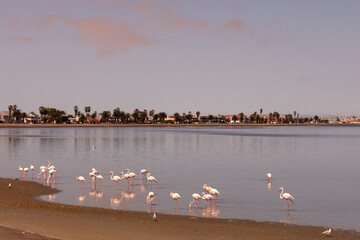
{"points": [[116, 200], [288, 219], [211, 211]]}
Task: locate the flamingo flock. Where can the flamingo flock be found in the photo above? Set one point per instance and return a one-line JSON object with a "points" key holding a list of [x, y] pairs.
{"points": [[209, 194]]}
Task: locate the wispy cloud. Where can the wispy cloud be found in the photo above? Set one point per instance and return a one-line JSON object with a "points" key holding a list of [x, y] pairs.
{"points": [[106, 35], [17, 39]]}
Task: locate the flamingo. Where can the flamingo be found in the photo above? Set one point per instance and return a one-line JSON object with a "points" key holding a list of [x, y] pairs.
{"points": [[151, 178], [93, 177], [51, 172], [32, 168], [43, 172], [207, 197], [206, 188], [100, 178], [115, 178], [25, 172], [20, 170], [214, 191], [150, 197], [287, 197], [176, 197], [268, 175], [131, 176], [196, 198], [82, 180], [142, 173], [94, 170]]}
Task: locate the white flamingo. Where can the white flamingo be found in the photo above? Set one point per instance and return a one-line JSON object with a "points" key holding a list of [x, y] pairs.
{"points": [[150, 198], [20, 170], [206, 188], [115, 178], [287, 197], [268, 175], [32, 168], [151, 179], [93, 177], [207, 197], [196, 198], [176, 197], [82, 180], [142, 173], [25, 172], [51, 176], [100, 178], [43, 172]]}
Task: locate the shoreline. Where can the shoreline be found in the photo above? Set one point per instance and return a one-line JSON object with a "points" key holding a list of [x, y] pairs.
{"points": [[165, 125], [20, 210]]}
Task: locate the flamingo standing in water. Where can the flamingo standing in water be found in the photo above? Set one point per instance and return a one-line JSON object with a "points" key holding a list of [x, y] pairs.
{"points": [[82, 180], [142, 173], [100, 178], [196, 198], [115, 178], [32, 168], [207, 197], [287, 197], [25, 172], [176, 197], [150, 198], [20, 170], [151, 178], [268, 175], [132, 176], [51, 176], [43, 172]]}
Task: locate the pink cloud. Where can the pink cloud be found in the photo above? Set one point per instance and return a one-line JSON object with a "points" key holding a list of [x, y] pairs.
{"points": [[237, 25], [107, 35]]}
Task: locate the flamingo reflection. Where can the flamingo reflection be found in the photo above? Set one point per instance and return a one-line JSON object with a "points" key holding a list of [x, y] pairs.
{"points": [[211, 211]]}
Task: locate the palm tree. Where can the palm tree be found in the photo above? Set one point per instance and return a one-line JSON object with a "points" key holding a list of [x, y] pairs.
{"points": [[76, 110], [177, 117], [241, 116], [162, 116], [234, 118], [197, 115], [135, 115], [116, 114], [151, 114], [210, 118], [10, 107], [93, 116], [105, 116]]}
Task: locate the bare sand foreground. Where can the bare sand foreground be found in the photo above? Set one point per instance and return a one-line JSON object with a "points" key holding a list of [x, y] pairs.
{"points": [[35, 219]]}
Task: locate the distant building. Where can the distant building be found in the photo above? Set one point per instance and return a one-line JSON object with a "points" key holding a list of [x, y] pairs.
{"points": [[32, 119], [4, 116], [230, 117]]}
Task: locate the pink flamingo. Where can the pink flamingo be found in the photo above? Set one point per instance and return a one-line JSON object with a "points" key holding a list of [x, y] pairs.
{"points": [[176, 197], [43, 172], [207, 197], [196, 198], [151, 179], [20, 170], [115, 178], [51, 176], [287, 197], [82, 180], [268, 175], [100, 178], [142, 173], [150, 198], [32, 168], [25, 172]]}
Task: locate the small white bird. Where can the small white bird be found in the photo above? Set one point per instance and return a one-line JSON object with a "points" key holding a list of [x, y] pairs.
{"points": [[93, 147], [154, 217], [10, 185], [327, 232]]}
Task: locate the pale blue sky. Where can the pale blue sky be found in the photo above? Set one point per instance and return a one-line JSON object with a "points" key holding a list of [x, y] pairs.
{"points": [[219, 56]]}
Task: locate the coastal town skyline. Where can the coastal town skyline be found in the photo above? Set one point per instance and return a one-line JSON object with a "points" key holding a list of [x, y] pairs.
{"points": [[218, 57]]}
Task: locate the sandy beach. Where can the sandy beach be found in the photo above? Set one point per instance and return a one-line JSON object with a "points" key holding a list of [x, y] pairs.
{"points": [[35, 219]]}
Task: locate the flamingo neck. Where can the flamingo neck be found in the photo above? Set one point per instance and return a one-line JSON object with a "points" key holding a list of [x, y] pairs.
{"points": [[111, 177], [281, 193]]}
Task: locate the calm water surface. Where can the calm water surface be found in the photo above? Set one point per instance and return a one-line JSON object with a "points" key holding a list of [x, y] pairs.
{"points": [[319, 166]]}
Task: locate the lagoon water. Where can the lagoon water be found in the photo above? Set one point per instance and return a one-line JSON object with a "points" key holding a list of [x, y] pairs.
{"points": [[319, 166]]}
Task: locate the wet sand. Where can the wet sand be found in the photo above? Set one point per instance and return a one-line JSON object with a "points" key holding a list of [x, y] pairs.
{"points": [[31, 218]]}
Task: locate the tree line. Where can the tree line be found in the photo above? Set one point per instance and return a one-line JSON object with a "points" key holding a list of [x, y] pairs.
{"points": [[53, 115]]}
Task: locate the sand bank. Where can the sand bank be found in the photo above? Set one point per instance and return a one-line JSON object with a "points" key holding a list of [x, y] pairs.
{"points": [[19, 210]]}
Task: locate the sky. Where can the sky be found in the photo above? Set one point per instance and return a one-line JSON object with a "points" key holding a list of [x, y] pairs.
{"points": [[212, 56]]}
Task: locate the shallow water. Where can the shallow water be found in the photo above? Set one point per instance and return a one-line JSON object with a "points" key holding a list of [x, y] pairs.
{"points": [[319, 166]]}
